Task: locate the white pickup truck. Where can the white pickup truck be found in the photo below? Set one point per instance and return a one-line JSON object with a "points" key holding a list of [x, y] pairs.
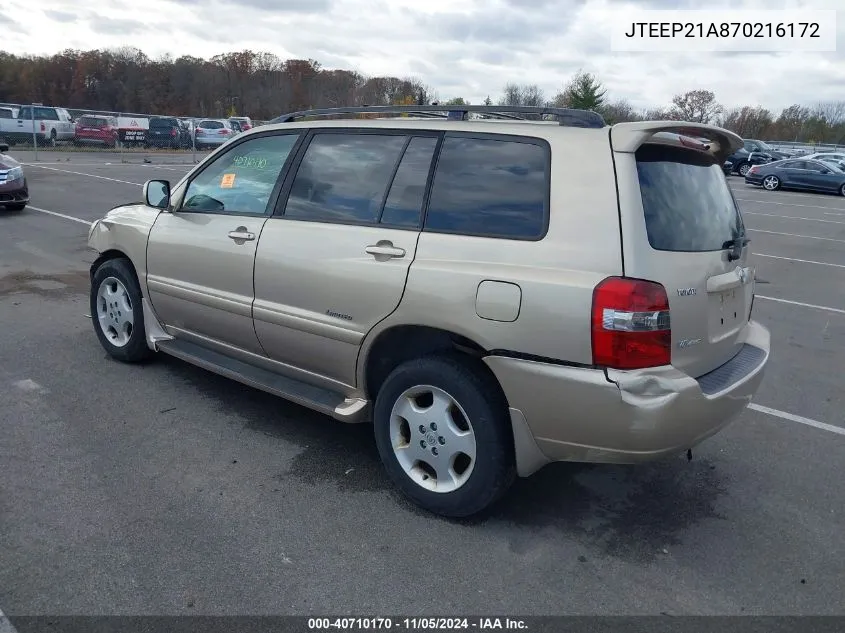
{"points": [[51, 125], [8, 122]]}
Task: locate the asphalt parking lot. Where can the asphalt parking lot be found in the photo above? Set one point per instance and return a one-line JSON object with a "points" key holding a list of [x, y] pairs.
{"points": [[164, 489]]}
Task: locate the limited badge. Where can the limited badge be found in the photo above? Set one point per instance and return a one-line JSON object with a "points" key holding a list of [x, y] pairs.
{"points": [[227, 181]]}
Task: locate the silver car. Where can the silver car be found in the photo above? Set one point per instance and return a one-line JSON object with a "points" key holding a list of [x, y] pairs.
{"points": [[212, 133]]}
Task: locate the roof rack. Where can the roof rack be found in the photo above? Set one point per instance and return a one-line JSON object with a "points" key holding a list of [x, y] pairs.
{"points": [[566, 116]]}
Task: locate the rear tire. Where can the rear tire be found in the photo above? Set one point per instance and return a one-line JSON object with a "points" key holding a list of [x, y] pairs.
{"points": [[450, 452], [117, 311], [842, 190]]}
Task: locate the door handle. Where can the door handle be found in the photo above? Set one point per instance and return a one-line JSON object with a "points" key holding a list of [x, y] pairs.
{"points": [[241, 235], [385, 248]]}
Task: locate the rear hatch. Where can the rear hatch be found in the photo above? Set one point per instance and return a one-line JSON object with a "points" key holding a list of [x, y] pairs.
{"points": [[91, 126], [163, 129], [682, 228]]}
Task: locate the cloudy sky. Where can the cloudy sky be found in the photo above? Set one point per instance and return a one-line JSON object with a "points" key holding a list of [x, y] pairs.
{"points": [[469, 48]]}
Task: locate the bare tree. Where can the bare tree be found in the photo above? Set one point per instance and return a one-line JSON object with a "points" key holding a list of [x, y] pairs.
{"points": [[696, 106]]}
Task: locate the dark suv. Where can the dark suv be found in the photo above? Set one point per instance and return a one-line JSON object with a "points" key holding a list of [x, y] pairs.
{"points": [[753, 152], [168, 132]]}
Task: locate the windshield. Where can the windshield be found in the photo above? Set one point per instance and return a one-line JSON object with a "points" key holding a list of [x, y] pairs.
{"points": [[765, 146]]}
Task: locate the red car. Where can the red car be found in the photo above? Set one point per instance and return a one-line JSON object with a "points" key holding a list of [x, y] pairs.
{"points": [[96, 129], [14, 193]]}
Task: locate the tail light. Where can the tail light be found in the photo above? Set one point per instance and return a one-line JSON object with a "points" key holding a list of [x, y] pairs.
{"points": [[173, 132], [753, 170], [224, 132], [630, 324], [43, 127]]}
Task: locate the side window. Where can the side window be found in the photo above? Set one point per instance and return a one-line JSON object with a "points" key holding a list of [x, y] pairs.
{"points": [[494, 188], [404, 202], [25, 112], [46, 114], [343, 177], [242, 179]]}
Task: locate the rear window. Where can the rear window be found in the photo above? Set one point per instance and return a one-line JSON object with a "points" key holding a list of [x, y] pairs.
{"points": [[163, 123], [92, 121], [687, 203], [211, 125]]}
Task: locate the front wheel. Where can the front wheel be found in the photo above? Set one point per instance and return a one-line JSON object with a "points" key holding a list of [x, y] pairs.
{"points": [[18, 206], [743, 169], [117, 311], [443, 433], [842, 190], [771, 183]]}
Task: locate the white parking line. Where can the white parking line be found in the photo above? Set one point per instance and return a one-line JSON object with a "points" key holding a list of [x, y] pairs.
{"points": [[786, 204], [809, 237], [791, 217], [80, 173], [835, 213], [801, 261], [5, 624], [59, 215], [797, 418], [799, 303]]}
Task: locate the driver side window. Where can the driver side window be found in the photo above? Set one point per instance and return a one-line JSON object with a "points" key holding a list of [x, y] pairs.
{"points": [[241, 180]]}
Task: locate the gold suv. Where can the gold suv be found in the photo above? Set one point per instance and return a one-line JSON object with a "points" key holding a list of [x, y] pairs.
{"points": [[494, 288]]}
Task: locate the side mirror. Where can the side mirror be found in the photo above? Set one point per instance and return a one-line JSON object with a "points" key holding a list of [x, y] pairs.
{"points": [[3, 148], [157, 193]]}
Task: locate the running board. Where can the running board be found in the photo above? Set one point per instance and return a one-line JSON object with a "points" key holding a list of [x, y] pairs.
{"points": [[325, 401]]}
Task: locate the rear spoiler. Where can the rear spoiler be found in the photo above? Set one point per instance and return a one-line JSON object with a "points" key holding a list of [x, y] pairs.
{"points": [[717, 141]]}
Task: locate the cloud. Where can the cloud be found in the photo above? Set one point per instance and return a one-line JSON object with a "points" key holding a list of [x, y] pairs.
{"points": [[116, 26], [61, 16], [469, 49]]}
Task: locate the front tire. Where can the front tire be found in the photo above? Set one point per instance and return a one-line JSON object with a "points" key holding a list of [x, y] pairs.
{"points": [[842, 190], [443, 432], [771, 183], [18, 206], [117, 311], [743, 169]]}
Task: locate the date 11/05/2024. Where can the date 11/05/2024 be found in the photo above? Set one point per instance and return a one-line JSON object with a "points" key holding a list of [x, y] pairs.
{"points": [[723, 30], [416, 624]]}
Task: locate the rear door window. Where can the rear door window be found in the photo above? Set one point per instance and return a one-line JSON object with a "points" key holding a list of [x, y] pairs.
{"points": [[344, 177], [687, 203], [403, 206], [490, 187]]}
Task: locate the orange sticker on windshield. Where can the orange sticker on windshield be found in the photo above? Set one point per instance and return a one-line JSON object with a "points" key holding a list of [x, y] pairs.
{"points": [[228, 181]]}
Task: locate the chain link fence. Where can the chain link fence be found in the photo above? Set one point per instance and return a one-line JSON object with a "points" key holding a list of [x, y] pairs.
{"points": [[124, 136]]}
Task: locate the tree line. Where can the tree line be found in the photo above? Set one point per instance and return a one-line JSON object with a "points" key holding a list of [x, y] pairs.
{"points": [[262, 85]]}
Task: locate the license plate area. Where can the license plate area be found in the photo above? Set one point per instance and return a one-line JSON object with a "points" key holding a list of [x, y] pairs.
{"points": [[726, 313]]}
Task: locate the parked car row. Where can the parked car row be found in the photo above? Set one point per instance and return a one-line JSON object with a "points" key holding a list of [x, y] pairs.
{"points": [[56, 125]]}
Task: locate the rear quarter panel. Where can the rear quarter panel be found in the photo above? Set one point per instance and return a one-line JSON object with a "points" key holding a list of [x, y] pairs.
{"points": [[556, 275]]}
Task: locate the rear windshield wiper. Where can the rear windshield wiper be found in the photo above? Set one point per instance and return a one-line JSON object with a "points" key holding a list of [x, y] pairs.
{"points": [[736, 245]]}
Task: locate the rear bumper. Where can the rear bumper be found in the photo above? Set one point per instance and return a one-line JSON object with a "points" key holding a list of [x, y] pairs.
{"points": [[754, 180], [582, 414]]}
